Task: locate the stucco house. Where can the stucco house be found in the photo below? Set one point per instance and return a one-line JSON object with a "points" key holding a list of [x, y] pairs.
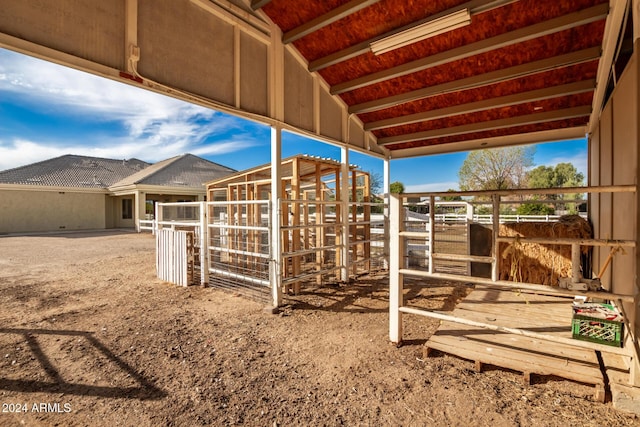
{"points": [[74, 192]]}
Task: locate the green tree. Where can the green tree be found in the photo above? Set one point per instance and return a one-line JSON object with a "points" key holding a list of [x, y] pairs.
{"points": [[562, 175], [451, 198], [375, 182], [496, 169], [534, 209], [396, 187]]}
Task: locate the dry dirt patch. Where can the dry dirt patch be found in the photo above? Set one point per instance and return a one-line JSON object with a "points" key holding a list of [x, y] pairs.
{"points": [[88, 330]]}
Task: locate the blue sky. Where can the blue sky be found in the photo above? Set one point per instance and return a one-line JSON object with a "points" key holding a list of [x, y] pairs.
{"points": [[47, 110]]}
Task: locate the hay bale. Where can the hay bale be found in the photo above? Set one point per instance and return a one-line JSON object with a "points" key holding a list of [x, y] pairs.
{"points": [[537, 263]]}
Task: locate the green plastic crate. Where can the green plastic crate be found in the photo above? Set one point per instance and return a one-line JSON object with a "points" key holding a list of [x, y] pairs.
{"points": [[596, 330]]}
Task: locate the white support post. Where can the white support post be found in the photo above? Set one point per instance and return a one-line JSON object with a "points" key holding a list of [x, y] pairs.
{"points": [[344, 211], [396, 279], [157, 217], [495, 265], [204, 245], [156, 231], [432, 230], [275, 278], [136, 211], [386, 183]]}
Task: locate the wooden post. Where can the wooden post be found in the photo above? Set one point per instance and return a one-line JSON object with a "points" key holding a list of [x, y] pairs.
{"points": [[344, 193], [366, 192], [396, 281], [353, 229], [575, 263], [320, 220], [295, 210], [495, 265]]}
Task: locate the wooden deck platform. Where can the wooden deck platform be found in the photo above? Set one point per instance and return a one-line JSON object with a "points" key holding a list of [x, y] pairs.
{"points": [[549, 315]]}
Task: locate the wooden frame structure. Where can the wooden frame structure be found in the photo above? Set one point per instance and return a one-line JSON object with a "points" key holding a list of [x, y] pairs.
{"points": [[313, 233]]}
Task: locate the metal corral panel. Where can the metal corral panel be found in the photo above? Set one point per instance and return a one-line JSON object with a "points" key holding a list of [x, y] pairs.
{"points": [[84, 28]]}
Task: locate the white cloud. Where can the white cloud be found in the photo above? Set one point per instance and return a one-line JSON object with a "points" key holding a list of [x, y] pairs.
{"points": [[156, 126], [431, 187]]}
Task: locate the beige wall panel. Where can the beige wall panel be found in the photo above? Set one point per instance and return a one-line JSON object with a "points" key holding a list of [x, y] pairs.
{"points": [[331, 115], [175, 48], [110, 212], [357, 135], [253, 75], [298, 94], [31, 211], [88, 29], [625, 167]]}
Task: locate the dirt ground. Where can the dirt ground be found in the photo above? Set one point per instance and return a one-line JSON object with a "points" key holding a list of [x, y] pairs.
{"points": [[89, 336]]}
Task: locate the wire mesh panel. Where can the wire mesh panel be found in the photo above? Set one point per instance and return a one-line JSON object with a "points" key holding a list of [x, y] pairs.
{"points": [[450, 239], [239, 246]]}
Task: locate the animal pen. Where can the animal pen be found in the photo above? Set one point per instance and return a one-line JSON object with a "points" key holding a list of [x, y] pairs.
{"points": [[326, 236], [527, 281]]}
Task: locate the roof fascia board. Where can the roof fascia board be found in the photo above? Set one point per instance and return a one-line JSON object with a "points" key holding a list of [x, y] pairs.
{"points": [[566, 113], [481, 80], [47, 188], [189, 191], [571, 20], [500, 141], [472, 107]]}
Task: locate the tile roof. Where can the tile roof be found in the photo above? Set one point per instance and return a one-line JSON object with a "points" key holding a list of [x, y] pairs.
{"points": [[187, 171], [73, 171]]}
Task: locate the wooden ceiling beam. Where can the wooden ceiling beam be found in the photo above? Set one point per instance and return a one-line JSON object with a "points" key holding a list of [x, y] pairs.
{"points": [[257, 4], [474, 6], [531, 32], [480, 80], [326, 19], [494, 142], [547, 116], [472, 107]]}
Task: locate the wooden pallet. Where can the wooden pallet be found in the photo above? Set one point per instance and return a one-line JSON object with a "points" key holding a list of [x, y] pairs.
{"points": [[550, 315]]}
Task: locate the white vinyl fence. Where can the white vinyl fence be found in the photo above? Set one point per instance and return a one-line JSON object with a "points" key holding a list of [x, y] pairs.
{"points": [[174, 256]]}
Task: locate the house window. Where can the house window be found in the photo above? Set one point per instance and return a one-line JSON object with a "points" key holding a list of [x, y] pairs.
{"points": [[127, 209]]}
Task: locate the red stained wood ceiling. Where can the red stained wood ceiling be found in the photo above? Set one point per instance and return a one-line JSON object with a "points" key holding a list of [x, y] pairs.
{"points": [[521, 66]]}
